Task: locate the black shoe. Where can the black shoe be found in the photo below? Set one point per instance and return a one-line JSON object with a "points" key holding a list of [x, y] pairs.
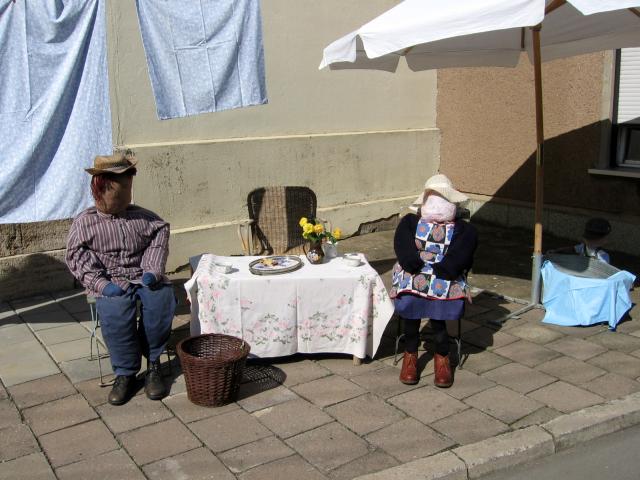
{"points": [[153, 384], [122, 389]]}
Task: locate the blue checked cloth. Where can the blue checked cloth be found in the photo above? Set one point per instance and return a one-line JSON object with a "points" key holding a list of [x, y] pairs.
{"points": [[203, 55], [54, 106]]}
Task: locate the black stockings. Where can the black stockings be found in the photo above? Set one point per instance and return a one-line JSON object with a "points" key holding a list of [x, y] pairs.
{"points": [[412, 335]]}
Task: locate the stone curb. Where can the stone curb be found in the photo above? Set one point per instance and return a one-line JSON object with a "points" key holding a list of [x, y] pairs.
{"points": [[520, 446]]}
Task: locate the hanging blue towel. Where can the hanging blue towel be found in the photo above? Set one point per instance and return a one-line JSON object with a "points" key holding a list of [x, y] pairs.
{"points": [[54, 106], [571, 300], [203, 56]]}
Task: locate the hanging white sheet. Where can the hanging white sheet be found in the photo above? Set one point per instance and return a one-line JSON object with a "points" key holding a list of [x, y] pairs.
{"points": [[54, 106], [203, 56]]}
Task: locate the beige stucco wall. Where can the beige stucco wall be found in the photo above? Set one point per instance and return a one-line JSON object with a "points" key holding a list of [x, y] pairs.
{"points": [[361, 140], [487, 122]]}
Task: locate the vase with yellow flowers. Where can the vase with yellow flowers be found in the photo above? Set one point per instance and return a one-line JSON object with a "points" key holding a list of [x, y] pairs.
{"points": [[315, 232]]}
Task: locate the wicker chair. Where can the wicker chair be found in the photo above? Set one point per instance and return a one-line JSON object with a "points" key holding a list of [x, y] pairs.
{"points": [[274, 216]]}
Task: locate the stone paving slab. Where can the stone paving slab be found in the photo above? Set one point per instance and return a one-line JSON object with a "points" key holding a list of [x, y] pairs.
{"points": [[198, 464], [439, 404], [519, 377], [291, 418], [253, 454], [527, 353], [571, 370], [230, 430], [365, 414], [566, 397], [115, 465], [383, 382], [58, 414], [504, 404], [329, 446], [409, 439], [77, 443], [29, 467], [457, 427], [40, 391], [372, 462], [286, 468], [158, 441], [188, 412], [328, 390], [618, 362], [16, 441], [136, 413], [9, 415]]}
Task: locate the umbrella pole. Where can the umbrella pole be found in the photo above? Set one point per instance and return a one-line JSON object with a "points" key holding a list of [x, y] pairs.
{"points": [[537, 239]]}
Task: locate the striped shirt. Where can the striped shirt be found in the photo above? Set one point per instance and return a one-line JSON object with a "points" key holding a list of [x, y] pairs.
{"points": [[103, 248]]}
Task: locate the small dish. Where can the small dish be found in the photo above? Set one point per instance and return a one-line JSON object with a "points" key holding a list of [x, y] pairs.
{"points": [[223, 267], [352, 259]]}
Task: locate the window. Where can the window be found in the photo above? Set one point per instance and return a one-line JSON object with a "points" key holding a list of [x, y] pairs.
{"points": [[627, 108]]}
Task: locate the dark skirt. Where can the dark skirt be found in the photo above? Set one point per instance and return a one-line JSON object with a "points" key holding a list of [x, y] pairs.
{"points": [[414, 307]]}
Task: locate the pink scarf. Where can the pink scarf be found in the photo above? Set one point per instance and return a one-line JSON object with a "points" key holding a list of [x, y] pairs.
{"points": [[437, 209]]}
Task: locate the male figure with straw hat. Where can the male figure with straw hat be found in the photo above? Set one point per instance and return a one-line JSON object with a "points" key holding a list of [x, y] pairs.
{"points": [[118, 252]]}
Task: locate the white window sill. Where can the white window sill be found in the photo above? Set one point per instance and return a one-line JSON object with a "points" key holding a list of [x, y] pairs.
{"points": [[616, 172]]}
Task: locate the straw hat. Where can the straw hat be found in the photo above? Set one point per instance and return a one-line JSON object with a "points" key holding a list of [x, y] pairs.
{"points": [[441, 184], [119, 162]]}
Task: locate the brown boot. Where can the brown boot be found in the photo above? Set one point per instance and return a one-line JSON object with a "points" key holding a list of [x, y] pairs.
{"points": [[442, 369], [409, 371]]}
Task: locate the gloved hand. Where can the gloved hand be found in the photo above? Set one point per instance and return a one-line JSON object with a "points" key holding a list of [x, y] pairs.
{"points": [[112, 290], [149, 279]]}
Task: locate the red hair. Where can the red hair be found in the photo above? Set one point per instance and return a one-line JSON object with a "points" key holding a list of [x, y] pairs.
{"points": [[101, 182]]}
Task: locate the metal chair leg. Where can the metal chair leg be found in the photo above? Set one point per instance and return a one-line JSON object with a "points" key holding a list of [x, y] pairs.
{"points": [[94, 338], [459, 344], [399, 336]]}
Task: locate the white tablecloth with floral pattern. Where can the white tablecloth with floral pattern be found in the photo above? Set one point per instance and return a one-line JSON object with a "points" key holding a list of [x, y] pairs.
{"points": [[326, 308]]}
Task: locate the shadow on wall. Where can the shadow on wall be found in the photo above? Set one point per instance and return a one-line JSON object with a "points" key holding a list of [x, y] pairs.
{"points": [[26, 275], [567, 183]]}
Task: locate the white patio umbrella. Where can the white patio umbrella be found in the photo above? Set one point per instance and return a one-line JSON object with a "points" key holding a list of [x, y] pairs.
{"points": [[465, 33]]}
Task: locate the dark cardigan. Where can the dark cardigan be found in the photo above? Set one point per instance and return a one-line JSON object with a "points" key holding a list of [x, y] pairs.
{"points": [[457, 260]]}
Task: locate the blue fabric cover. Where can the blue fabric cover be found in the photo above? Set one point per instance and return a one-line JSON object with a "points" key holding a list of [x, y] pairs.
{"points": [[570, 300], [203, 56], [54, 106]]}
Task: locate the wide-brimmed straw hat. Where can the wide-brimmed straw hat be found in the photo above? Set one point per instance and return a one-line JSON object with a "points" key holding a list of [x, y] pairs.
{"points": [[117, 163], [441, 184]]}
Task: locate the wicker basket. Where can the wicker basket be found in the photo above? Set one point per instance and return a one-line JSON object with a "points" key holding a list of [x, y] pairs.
{"points": [[212, 366]]}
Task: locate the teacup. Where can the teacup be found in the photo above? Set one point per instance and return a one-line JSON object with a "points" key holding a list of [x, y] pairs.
{"points": [[352, 259], [223, 267]]}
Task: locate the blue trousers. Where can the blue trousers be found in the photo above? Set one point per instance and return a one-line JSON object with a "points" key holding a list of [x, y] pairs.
{"points": [[126, 339]]}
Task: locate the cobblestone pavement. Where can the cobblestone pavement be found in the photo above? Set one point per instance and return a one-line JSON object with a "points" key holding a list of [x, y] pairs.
{"points": [[315, 417]]}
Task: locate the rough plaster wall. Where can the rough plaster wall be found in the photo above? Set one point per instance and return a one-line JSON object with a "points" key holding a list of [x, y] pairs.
{"points": [[487, 122]]}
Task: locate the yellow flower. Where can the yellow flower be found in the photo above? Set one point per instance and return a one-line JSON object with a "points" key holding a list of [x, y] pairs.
{"points": [[319, 228], [303, 221], [337, 233], [307, 228]]}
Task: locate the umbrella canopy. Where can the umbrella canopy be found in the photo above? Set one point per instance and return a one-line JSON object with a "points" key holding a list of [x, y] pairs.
{"points": [[464, 33]]}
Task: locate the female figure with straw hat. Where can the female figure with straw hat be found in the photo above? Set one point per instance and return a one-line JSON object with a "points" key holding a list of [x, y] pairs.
{"points": [[434, 252]]}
